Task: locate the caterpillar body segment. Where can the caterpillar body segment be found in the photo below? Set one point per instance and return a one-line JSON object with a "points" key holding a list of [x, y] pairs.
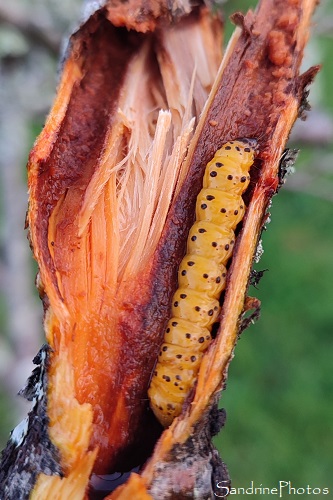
{"points": [[177, 333], [226, 172], [220, 207], [196, 307], [201, 277], [196, 277], [211, 241]]}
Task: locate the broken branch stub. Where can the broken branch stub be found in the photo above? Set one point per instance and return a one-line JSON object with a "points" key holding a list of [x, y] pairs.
{"points": [[113, 179]]}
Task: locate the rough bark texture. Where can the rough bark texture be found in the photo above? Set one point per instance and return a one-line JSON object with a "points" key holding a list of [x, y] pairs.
{"points": [[92, 410], [30, 451]]}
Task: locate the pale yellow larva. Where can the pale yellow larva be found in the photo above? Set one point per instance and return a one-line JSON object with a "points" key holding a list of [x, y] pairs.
{"points": [[201, 277]]}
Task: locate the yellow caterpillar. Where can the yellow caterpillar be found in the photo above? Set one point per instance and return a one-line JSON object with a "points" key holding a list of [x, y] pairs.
{"points": [[201, 277]]}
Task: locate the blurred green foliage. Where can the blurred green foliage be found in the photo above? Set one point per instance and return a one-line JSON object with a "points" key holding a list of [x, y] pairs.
{"points": [[279, 392]]}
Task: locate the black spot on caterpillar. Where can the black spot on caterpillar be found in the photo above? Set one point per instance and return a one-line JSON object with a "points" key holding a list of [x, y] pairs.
{"points": [[201, 277]]}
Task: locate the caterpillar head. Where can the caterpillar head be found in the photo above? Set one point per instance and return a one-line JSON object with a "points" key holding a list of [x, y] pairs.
{"points": [[251, 142]]}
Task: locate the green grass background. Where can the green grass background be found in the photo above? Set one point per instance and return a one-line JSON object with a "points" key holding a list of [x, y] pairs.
{"points": [[279, 392]]}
